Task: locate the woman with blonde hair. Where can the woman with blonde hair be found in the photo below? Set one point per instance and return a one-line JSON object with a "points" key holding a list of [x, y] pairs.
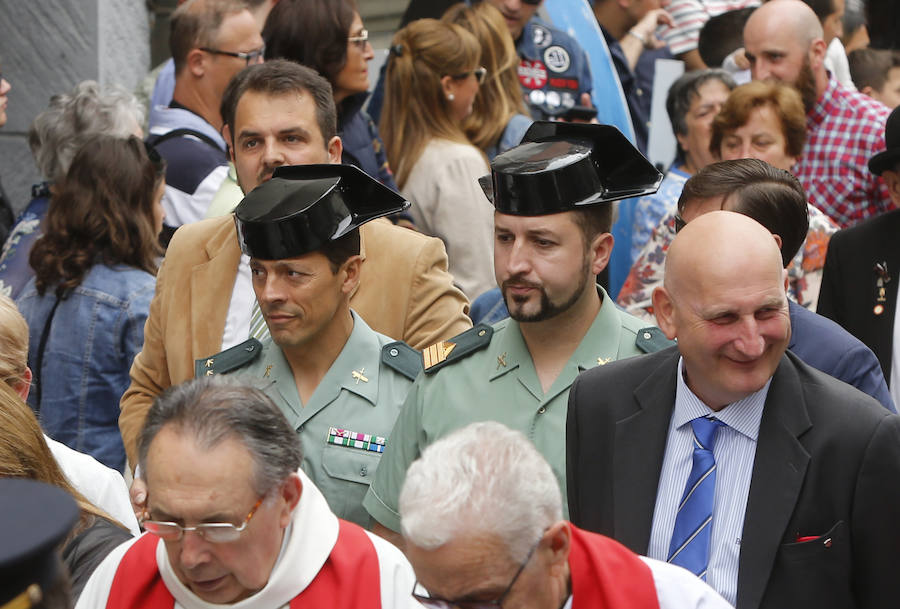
{"points": [[499, 117], [24, 454], [433, 75]]}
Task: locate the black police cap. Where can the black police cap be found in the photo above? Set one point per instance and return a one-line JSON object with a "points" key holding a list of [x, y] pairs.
{"points": [[34, 519], [564, 166], [303, 207]]}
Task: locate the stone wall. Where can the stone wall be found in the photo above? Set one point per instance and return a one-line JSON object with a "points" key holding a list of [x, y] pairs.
{"points": [[46, 47]]}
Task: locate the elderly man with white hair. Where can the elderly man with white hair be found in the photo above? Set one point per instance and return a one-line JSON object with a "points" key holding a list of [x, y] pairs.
{"points": [[481, 514]]}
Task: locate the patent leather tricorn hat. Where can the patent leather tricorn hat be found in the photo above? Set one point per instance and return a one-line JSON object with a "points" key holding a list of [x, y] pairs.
{"points": [[565, 166], [303, 207]]}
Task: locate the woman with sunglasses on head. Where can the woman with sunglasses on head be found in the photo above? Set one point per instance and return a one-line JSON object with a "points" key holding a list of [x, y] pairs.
{"points": [[329, 37], [433, 76], [499, 117], [95, 274]]}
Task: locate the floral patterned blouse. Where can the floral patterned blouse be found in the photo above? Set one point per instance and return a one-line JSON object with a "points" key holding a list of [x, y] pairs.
{"points": [[804, 272]]}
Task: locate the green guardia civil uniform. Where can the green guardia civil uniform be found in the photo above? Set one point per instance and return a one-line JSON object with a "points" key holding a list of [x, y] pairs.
{"points": [[488, 374], [344, 427]]}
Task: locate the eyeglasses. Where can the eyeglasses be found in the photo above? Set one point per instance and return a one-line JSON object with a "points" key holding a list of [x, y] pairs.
{"points": [[360, 41], [421, 594], [532, 2], [214, 532], [480, 74], [679, 223], [250, 57]]}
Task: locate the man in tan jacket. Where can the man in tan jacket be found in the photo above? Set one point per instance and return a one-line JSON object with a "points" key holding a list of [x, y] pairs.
{"points": [[278, 113]]}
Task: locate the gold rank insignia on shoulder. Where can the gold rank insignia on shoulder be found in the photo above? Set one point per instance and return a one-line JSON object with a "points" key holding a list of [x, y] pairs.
{"points": [[437, 353]]}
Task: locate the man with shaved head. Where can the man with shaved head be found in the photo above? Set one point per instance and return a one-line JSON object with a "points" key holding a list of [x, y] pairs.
{"points": [[784, 41], [727, 455]]}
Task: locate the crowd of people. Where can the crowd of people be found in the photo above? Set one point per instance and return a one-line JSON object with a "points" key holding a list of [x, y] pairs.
{"points": [[353, 342]]}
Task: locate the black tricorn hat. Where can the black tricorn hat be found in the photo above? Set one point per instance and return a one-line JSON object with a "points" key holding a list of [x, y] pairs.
{"points": [[887, 159], [303, 207], [34, 519], [564, 166]]}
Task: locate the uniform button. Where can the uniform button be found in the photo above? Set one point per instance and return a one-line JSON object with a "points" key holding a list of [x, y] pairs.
{"points": [[364, 471], [542, 410], [647, 336], [639, 92], [394, 353]]}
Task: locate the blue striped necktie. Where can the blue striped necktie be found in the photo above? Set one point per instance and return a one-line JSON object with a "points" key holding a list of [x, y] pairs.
{"points": [[689, 547]]}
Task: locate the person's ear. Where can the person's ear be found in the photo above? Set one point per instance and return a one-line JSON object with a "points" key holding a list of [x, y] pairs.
{"points": [[601, 250], [664, 309], [350, 270], [891, 179], [23, 385], [558, 540], [196, 62], [817, 50], [335, 150], [229, 139], [448, 85], [289, 493]]}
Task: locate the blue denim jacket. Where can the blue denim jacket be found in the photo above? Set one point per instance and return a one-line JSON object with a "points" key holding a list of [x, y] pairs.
{"points": [[94, 336]]}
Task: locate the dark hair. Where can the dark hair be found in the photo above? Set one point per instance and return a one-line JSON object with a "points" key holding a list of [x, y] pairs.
{"points": [[213, 409], [771, 196], [822, 8], [683, 92], [342, 248], [784, 100], [102, 212], [722, 35], [196, 24], [594, 220], [281, 77], [311, 32], [883, 19], [870, 67]]}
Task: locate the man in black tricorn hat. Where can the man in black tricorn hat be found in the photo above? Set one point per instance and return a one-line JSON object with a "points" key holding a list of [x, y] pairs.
{"points": [[339, 383], [553, 199], [34, 519]]}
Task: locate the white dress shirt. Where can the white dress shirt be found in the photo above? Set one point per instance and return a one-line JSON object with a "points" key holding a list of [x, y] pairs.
{"points": [[734, 451]]}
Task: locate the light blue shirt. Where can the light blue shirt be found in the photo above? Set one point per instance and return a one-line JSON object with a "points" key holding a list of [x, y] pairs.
{"points": [[735, 450]]}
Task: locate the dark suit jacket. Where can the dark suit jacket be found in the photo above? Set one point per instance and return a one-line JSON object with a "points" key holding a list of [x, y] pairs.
{"points": [[848, 282], [826, 346], [827, 464]]}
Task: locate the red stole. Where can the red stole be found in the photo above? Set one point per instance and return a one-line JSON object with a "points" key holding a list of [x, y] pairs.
{"points": [[607, 575], [349, 579]]}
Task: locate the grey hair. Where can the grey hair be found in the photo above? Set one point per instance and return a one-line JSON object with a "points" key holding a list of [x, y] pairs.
{"points": [[484, 478], [216, 408], [88, 109], [683, 91]]}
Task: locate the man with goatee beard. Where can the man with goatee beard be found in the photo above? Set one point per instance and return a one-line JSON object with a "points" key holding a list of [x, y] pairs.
{"points": [[552, 197], [783, 41]]}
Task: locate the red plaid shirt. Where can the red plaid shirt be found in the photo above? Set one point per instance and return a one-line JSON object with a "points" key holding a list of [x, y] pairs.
{"points": [[844, 130]]}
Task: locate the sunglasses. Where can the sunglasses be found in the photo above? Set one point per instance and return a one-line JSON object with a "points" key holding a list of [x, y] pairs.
{"points": [[480, 74]]}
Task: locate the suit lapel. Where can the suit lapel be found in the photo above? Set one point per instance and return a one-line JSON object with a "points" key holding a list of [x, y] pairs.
{"points": [[779, 469], [211, 285], [639, 448], [882, 326]]}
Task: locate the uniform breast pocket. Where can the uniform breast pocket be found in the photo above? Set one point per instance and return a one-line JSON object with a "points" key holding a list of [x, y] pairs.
{"points": [[350, 464], [349, 472]]}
